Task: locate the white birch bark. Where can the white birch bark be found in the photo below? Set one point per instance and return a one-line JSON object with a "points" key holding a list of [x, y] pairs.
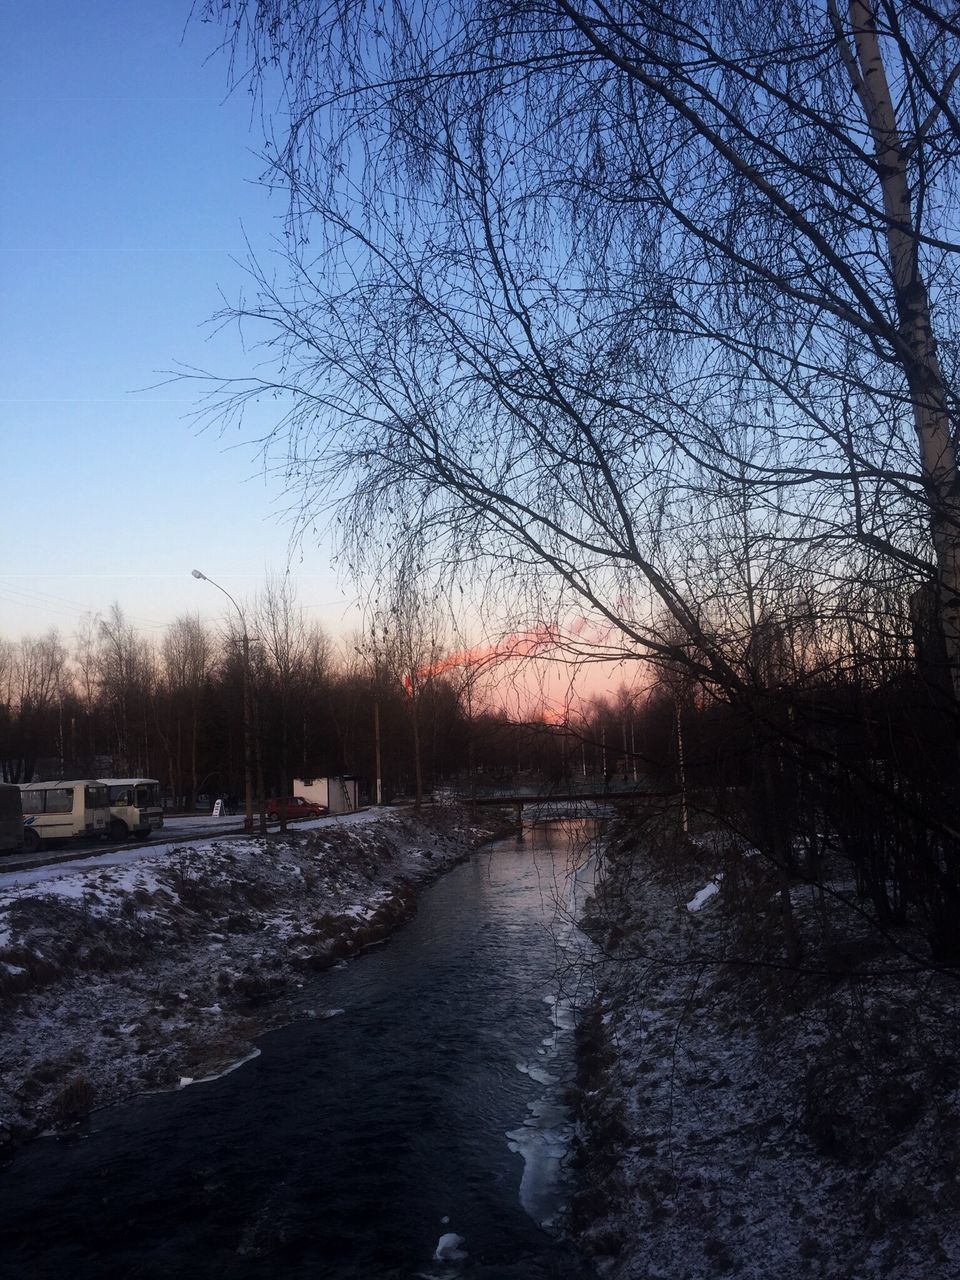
{"points": [[921, 363]]}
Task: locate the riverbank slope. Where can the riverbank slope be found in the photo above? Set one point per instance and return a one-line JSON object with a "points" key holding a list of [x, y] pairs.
{"points": [[157, 972], [739, 1118]]}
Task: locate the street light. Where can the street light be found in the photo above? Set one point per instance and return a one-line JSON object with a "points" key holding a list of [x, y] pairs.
{"points": [[376, 722], [247, 718]]}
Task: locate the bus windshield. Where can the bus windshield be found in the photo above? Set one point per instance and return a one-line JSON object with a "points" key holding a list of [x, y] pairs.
{"points": [[148, 795]]}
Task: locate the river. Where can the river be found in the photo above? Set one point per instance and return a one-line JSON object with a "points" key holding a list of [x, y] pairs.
{"points": [[410, 1124]]}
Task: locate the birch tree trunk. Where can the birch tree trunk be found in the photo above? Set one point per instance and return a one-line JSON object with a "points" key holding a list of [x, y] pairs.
{"points": [[921, 362]]}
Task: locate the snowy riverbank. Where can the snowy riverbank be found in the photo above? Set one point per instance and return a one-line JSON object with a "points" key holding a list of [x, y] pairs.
{"points": [[160, 967], [740, 1120]]}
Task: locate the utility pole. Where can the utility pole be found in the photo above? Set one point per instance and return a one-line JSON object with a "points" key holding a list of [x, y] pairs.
{"points": [[247, 716]]}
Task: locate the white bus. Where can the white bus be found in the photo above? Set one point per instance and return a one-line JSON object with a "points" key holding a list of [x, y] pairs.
{"points": [[11, 819], [135, 808], [64, 810]]}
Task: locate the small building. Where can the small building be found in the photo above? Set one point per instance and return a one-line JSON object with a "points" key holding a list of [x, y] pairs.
{"points": [[338, 794]]}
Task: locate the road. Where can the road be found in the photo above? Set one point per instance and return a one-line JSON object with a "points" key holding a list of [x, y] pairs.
{"points": [[176, 831]]}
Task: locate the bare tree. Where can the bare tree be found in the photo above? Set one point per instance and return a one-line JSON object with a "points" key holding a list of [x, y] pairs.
{"points": [[7, 709], [591, 249], [285, 643], [186, 659], [413, 630], [644, 313], [317, 668], [126, 673], [31, 685]]}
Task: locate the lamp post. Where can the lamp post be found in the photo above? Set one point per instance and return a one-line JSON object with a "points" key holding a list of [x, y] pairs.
{"points": [[376, 721], [247, 719]]}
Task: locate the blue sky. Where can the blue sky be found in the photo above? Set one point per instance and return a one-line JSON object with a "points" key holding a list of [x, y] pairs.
{"points": [[130, 182]]}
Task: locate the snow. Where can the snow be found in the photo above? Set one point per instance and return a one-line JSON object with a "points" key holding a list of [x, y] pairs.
{"points": [[536, 1073], [136, 970], [448, 1248], [543, 1141], [737, 1120], [195, 832], [727, 1123], [703, 896], [217, 1075]]}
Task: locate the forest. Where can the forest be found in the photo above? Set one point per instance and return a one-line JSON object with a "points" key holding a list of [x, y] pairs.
{"points": [[117, 703]]}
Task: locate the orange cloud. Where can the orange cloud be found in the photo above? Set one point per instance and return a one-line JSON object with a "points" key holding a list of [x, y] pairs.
{"points": [[519, 645]]}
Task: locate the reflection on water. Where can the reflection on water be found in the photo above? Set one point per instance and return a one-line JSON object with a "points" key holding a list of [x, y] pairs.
{"points": [[355, 1147]]}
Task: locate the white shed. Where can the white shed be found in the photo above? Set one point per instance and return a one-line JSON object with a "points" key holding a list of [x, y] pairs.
{"points": [[338, 794]]}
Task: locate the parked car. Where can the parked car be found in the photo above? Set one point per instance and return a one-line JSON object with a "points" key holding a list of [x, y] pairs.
{"points": [[294, 807]]}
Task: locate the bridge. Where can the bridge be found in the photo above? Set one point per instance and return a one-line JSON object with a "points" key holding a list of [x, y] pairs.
{"points": [[571, 803]]}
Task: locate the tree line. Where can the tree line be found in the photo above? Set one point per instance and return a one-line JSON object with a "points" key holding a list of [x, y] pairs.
{"points": [[117, 703]]}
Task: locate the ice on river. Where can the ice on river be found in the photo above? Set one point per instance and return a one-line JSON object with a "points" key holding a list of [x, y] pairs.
{"points": [[234, 1066], [544, 1138], [536, 1073], [543, 1141], [448, 1248]]}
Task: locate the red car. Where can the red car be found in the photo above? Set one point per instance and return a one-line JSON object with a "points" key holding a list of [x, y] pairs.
{"points": [[294, 807]]}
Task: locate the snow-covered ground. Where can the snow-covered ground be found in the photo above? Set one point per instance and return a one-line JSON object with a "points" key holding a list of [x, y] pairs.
{"points": [[151, 968], [741, 1120], [176, 830]]}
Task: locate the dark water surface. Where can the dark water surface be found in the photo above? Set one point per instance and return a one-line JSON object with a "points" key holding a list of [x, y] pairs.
{"points": [[353, 1143]]}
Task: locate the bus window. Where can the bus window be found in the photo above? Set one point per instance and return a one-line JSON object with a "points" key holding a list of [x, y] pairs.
{"points": [[148, 795], [96, 797], [58, 800]]}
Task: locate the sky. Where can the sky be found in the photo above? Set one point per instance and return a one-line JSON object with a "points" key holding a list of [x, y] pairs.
{"points": [[130, 187]]}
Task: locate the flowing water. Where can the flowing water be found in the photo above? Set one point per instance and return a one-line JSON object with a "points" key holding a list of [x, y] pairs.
{"points": [[416, 1130]]}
